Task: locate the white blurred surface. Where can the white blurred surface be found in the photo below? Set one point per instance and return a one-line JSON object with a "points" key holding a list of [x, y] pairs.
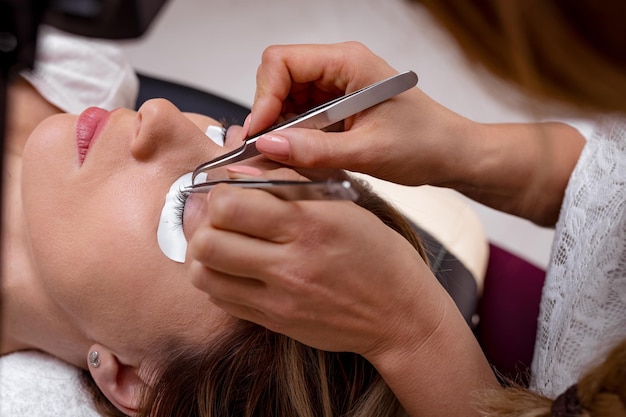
{"points": [[216, 46]]}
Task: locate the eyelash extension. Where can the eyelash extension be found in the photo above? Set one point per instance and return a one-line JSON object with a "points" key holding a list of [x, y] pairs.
{"points": [[181, 200], [225, 123]]}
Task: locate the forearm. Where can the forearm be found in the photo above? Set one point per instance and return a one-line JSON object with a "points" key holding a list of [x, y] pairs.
{"points": [[440, 375], [521, 169]]}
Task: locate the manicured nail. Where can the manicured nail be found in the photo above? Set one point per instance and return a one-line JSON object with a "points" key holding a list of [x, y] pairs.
{"points": [[207, 199], [246, 125], [243, 171], [274, 146]]}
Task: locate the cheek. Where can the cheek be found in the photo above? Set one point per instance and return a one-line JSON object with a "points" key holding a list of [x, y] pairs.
{"points": [[52, 141], [104, 268], [91, 250]]}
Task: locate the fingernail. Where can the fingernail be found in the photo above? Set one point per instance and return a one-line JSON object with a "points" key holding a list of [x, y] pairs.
{"points": [[246, 125], [274, 146], [243, 171]]}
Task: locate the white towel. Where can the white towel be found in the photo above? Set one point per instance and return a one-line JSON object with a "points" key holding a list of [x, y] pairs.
{"points": [[74, 72], [35, 384]]}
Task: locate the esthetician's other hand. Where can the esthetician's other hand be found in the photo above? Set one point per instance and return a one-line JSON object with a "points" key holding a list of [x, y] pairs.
{"points": [[333, 276], [294, 267], [408, 139], [305, 269]]}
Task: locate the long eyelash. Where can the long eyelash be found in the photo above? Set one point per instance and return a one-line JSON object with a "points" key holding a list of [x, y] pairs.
{"points": [[225, 123], [181, 199]]}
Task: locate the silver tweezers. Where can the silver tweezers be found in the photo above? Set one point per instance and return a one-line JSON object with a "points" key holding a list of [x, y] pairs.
{"points": [[290, 190], [320, 117]]}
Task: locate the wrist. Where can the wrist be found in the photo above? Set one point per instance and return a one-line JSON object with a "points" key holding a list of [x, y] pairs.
{"points": [[415, 327], [445, 364], [521, 169], [466, 155], [414, 345]]}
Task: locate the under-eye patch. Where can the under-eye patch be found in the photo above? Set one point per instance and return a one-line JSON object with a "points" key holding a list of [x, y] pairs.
{"points": [[216, 134]]}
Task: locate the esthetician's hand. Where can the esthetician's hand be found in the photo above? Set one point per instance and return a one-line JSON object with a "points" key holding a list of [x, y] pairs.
{"points": [[306, 269], [408, 139], [333, 276]]}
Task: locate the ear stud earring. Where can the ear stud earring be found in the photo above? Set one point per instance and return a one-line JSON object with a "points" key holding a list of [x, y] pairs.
{"points": [[94, 359]]}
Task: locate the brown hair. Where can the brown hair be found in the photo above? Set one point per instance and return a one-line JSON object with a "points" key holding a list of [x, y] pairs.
{"points": [[568, 50], [248, 370], [600, 393]]}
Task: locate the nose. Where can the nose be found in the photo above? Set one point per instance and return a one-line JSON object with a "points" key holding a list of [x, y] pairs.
{"points": [[163, 130]]}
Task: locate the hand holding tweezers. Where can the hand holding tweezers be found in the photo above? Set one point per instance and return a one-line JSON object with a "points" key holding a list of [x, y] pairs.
{"points": [[322, 116]]}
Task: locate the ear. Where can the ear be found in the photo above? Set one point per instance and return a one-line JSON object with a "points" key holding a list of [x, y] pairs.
{"points": [[119, 382]]}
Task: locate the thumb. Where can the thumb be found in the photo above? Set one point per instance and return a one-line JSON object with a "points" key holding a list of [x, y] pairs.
{"points": [[309, 148]]}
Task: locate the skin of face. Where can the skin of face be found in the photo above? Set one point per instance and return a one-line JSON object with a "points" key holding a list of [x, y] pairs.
{"points": [[92, 226]]}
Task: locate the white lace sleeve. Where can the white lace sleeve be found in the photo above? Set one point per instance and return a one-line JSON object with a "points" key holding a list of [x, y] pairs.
{"points": [[583, 307]]}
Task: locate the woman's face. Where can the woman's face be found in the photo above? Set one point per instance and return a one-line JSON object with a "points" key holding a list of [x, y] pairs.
{"points": [[93, 222]]}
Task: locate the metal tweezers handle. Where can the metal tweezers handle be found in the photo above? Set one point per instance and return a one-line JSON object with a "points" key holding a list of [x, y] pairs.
{"points": [[290, 190], [322, 116]]}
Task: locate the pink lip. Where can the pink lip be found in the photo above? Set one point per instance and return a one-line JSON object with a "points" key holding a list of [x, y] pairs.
{"points": [[88, 126]]}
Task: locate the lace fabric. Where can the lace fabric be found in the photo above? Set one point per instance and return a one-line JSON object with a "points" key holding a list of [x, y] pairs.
{"points": [[583, 306]]}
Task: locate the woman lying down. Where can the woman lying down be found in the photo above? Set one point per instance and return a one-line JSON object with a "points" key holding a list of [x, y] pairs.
{"points": [[85, 278]]}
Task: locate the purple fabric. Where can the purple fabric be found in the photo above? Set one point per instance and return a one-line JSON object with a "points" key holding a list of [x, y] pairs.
{"points": [[508, 312]]}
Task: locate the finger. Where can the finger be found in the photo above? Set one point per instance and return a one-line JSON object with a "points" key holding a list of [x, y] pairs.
{"points": [[254, 213], [332, 69], [286, 174], [273, 87], [245, 298], [309, 148], [287, 70], [241, 172], [236, 254], [225, 287], [250, 172], [236, 295], [230, 281], [241, 312], [250, 314]]}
